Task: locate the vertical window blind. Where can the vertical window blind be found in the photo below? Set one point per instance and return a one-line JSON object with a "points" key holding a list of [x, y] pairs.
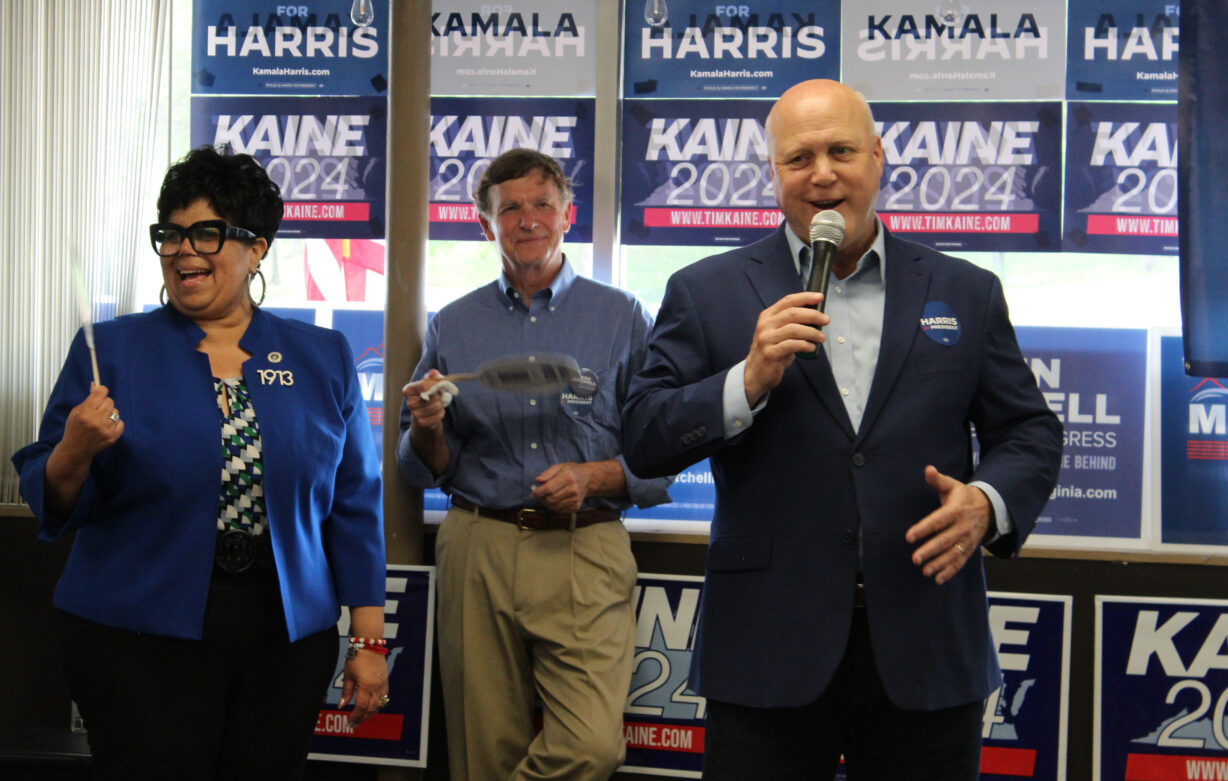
{"points": [[84, 86]]}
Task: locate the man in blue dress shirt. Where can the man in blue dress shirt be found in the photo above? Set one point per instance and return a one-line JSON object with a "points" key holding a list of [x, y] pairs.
{"points": [[535, 568]]}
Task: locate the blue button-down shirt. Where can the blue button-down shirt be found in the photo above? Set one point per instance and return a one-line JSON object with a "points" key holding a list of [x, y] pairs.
{"points": [[501, 441]]}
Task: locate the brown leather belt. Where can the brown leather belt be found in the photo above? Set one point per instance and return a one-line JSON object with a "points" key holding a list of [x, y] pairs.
{"points": [[539, 519]]}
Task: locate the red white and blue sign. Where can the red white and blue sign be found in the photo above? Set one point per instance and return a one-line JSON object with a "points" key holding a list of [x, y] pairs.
{"points": [[1095, 381], [972, 176], [696, 173], [258, 47], [467, 133], [397, 735], [328, 155], [1122, 50], [755, 49], [1024, 725], [664, 720], [1193, 452], [1121, 178], [1161, 689]]}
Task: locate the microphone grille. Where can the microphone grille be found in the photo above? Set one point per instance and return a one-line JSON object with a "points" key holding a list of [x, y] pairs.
{"points": [[827, 225]]}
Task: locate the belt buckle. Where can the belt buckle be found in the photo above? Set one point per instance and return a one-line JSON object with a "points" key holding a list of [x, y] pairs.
{"points": [[527, 512], [236, 552]]}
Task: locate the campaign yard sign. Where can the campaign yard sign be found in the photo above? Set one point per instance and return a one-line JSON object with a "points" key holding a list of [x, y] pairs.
{"points": [[397, 735], [1161, 689]]}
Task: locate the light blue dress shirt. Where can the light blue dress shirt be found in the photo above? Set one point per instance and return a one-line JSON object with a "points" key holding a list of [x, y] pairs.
{"points": [[499, 441]]}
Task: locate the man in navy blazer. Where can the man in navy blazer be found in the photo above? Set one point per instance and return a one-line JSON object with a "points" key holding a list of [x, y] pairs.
{"points": [[844, 609]]}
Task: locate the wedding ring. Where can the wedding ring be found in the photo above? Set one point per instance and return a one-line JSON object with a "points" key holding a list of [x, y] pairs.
{"points": [[114, 416], [384, 700], [962, 550]]}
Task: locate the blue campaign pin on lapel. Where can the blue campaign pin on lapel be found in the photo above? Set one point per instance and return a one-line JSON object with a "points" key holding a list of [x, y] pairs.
{"points": [[940, 323]]}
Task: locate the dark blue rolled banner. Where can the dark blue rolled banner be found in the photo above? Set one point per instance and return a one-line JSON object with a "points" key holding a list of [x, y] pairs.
{"points": [[1201, 165]]}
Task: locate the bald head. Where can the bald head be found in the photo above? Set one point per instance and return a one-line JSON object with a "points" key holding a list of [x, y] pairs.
{"points": [[824, 154], [820, 96]]}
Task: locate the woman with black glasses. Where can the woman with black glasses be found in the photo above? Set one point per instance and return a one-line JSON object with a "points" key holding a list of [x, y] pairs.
{"points": [[224, 489]]}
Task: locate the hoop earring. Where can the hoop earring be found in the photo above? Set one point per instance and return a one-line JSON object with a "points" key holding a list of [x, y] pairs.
{"points": [[162, 296], [264, 288]]}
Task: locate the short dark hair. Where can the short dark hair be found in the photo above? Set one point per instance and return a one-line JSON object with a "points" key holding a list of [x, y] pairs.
{"points": [[514, 164], [238, 188]]}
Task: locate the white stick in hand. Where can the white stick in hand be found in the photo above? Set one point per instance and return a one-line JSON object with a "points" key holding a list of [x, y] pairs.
{"points": [[87, 319]]}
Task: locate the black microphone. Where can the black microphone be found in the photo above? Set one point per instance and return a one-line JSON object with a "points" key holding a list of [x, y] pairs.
{"points": [[826, 233]]}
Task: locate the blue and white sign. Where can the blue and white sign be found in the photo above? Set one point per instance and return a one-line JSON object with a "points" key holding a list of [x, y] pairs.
{"points": [[1024, 725], [364, 330], [397, 735], [1193, 452], [1121, 178], [955, 49], [271, 47], [972, 176], [693, 495], [664, 720], [1161, 689], [1095, 381], [755, 49], [1122, 50], [696, 173], [328, 155], [533, 48], [467, 133], [1023, 732]]}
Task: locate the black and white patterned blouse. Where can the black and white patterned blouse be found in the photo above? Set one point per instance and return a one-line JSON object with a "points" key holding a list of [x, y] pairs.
{"points": [[241, 504]]}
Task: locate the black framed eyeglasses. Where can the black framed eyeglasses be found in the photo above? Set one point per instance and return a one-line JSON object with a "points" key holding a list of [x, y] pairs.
{"points": [[206, 236]]}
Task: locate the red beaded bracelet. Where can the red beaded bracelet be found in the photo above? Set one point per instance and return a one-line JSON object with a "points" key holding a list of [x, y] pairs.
{"points": [[368, 641], [378, 645]]}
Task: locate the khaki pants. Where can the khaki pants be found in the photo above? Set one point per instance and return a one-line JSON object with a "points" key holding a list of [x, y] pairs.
{"points": [[534, 613]]}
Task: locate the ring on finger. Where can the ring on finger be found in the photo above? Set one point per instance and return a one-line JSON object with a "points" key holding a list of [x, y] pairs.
{"points": [[114, 416], [962, 550], [384, 700]]}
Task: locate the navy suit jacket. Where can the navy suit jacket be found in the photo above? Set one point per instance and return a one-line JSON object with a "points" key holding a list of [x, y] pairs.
{"points": [[796, 489]]}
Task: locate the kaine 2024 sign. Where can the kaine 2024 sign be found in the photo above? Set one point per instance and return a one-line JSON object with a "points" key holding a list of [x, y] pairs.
{"points": [[1121, 178], [972, 176], [1161, 689], [696, 173], [397, 735], [328, 155], [1024, 723], [467, 133]]}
